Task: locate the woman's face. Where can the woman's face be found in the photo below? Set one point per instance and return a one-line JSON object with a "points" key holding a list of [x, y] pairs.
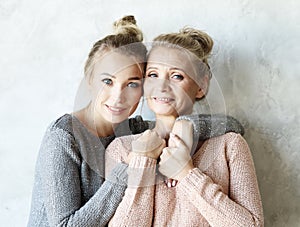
{"points": [[169, 85], [116, 84]]}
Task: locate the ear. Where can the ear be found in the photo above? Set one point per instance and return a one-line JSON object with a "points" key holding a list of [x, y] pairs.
{"points": [[200, 94], [204, 87]]}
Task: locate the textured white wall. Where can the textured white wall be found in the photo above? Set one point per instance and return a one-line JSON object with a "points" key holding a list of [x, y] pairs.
{"points": [[44, 44]]}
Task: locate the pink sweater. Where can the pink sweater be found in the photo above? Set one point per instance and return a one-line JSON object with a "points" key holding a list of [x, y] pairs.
{"points": [[221, 190]]}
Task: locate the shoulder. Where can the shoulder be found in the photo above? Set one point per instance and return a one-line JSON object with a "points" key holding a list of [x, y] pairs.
{"points": [[235, 139], [58, 143], [67, 125], [64, 123], [235, 146], [59, 133], [231, 142], [228, 138]]}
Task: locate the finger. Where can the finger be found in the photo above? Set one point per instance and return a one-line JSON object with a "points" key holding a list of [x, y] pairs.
{"points": [[153, 132], [177, 140], [184, 129], [146, 133], [165, 155], [147, 142], [169, 183], [163, 143], [174, 182]]}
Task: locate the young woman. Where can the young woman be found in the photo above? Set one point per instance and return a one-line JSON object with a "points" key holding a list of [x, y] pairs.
{"points": [[69, 187], [217, 184]]}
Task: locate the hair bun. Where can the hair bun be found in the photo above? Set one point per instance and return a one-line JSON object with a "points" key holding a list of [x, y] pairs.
{"points": [[201, 37], [124, 21], [127, 26]]}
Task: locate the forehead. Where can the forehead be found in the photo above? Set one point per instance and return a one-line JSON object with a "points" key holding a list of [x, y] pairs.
{"points": [[170, 57], [114, 62], [167, 57]]}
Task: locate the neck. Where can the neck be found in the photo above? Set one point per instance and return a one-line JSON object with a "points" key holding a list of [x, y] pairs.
{"points": [[94, 122], [164, 125]]}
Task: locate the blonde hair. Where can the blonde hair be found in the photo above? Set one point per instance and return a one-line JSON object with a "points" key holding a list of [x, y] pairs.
{"points": [[127, 39], [195, 41]]}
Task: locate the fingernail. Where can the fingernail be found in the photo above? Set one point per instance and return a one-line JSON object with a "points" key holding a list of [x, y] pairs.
{"points": [[173, 183]]}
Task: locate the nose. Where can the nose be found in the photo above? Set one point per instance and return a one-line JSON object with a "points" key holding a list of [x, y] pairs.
{"points": [[117, 94], [164, 85]]}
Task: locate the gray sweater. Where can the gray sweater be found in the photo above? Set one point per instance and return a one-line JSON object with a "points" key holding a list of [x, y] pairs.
{"points": [[69, 187]]}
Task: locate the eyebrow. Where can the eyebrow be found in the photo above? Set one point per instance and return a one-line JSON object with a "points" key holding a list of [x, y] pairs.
{"points": [[107, 74], [152, 68], [173, 68], [112, 76], [135, 78]]}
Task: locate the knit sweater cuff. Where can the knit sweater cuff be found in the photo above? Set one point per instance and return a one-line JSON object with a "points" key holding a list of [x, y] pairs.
{"points": [[139, 161], [197, 183], [141, 171], [119, 174], [200, 130], [194, 119], [195, 179]]}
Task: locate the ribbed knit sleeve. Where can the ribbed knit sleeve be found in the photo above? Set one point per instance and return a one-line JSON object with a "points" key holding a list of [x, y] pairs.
{"points": [[242, 206], [136, 208], [58, 167], [211, 125], [205, 125]]}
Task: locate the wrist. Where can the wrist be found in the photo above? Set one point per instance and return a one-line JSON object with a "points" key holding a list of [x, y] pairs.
{"points": [[185, 171]]}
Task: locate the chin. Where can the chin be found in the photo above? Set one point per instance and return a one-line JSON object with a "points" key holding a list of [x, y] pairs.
{"points": [[165, 113], [116, 119]]}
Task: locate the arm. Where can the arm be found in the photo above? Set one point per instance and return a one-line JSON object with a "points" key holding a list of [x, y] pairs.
{"points": [[136, 208], [211, 125], [205, 125], [242, 207], [60, 170]]}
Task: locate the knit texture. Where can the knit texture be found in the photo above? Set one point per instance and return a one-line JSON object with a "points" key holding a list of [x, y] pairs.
{"points": [[69, 187], [221, 190]]}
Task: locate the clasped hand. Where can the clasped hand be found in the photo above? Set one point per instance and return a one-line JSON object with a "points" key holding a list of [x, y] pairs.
{"points": [[150, 144], [175, 160]]}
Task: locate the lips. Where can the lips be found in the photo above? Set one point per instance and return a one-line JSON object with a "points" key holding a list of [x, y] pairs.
{"points": [[163, 100], [115, 110]]}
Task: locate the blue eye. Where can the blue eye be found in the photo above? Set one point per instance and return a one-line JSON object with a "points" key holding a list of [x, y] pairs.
{"points": [[177, 77], [133, 85], [107, 81], [152, 75]]}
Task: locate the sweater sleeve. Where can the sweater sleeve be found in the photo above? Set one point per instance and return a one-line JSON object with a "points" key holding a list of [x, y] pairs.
{"points": [[242, 207], [136, 208], [205, 125], [211, 125], [59, 169]]}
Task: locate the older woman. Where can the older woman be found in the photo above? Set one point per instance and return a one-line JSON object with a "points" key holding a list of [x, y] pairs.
{"points": [[217, 184]]}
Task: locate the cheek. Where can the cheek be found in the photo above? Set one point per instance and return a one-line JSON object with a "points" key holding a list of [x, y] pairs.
{"points": [[133, 96], [190, 90], [148, 88], [185, 97], [98, 93]]}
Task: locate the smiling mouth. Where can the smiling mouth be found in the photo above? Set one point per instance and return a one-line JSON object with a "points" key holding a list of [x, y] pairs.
{"points": [[115, 110], [164, 100]]}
